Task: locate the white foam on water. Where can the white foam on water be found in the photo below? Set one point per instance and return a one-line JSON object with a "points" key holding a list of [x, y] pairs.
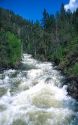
{"points": [[37, 100]]}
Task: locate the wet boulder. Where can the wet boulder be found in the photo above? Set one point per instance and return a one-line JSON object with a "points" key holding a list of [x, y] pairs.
{"points": [[73, 86]]}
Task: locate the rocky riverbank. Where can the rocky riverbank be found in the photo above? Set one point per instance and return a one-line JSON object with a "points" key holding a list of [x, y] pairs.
{"points": [[72, 86], [71, 79], [71, 82]]}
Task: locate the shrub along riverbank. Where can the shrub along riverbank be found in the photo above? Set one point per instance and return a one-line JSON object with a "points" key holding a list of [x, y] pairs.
{"points": [[10, 50], [66, 57]]}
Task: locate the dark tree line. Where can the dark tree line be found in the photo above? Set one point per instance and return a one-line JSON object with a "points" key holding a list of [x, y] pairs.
{"points": [[54, 38]]}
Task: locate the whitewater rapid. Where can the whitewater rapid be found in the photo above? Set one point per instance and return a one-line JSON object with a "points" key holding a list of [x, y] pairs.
{"points": [[33, 95]]}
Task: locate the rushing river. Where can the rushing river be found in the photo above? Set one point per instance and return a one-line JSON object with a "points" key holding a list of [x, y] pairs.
{"points": [[33, 95]]}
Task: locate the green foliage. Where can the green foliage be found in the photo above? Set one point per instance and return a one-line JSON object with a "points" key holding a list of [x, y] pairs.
{"points": [[14, 48], [69, 57], [55, 39], [10, 49], [58, 53], [75, 69]]}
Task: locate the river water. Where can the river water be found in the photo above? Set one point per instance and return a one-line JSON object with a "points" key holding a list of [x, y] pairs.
{"points": [[33, 95]]}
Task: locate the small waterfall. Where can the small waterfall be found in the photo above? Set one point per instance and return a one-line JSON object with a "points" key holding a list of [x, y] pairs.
{"points": [[33, 95]]}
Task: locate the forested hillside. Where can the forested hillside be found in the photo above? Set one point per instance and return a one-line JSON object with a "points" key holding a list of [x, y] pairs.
{"points": [[61, 43], [23, 29], [55, 39]]}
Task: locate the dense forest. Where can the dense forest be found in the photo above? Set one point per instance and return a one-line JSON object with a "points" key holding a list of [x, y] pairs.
{"points": [[53, 39]]}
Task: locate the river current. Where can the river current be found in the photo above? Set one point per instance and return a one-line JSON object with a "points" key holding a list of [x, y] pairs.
{"points": [[34, 95]]}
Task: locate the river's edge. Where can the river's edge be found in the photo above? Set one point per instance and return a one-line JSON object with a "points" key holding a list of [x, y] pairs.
{"points": [[70, 81], [16, 67]]}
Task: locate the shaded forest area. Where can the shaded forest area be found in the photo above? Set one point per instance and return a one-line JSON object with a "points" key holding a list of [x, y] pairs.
{"points": [[53, 39]]}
